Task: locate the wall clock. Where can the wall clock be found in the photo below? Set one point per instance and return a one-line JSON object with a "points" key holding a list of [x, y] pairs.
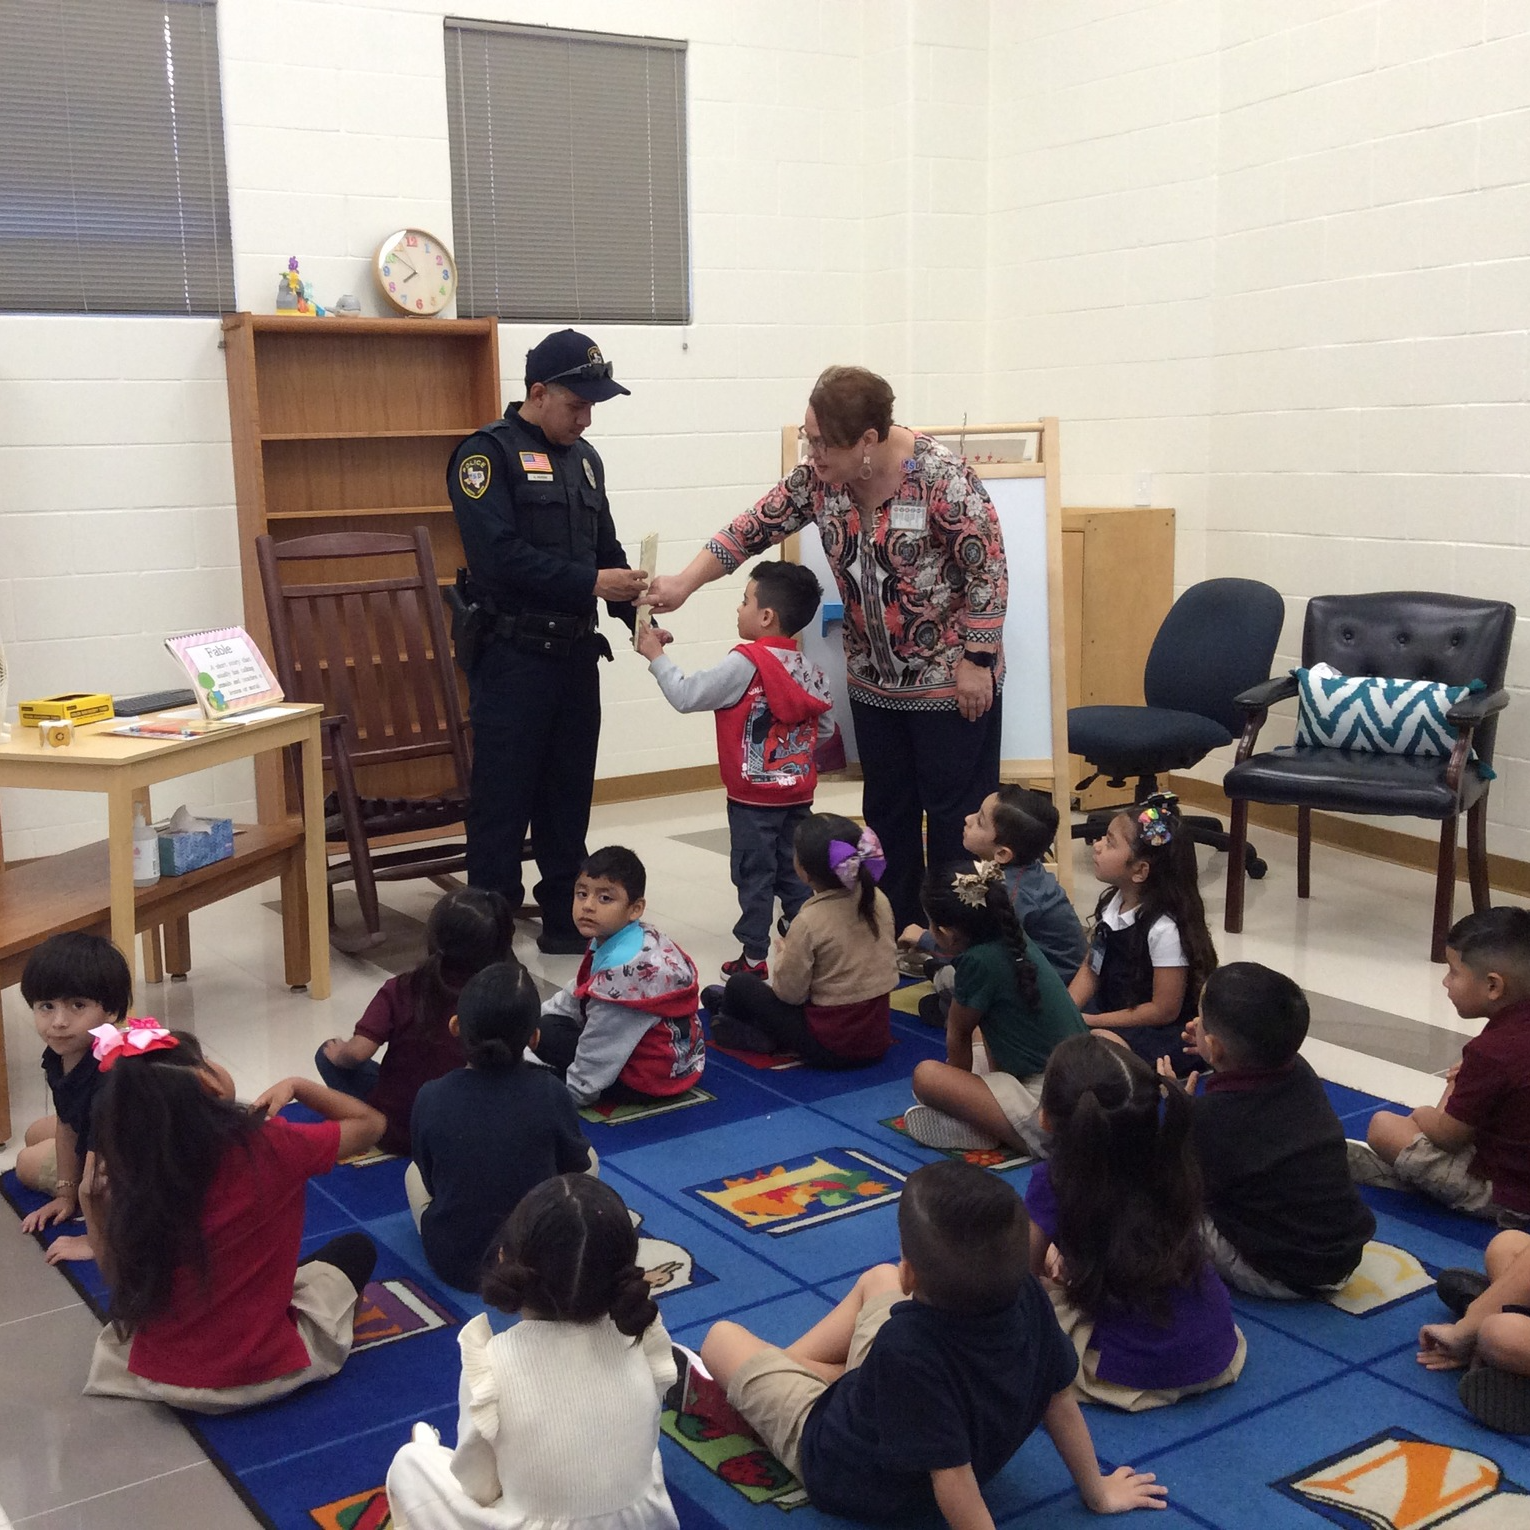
{"points": [[415, 272]]}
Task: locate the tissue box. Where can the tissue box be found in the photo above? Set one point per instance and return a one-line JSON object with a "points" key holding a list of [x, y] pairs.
{"points": [[180, 853]]}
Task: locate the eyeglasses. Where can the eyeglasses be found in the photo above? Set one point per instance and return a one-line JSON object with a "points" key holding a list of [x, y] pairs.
{"points": [[816, 445], [591, 371]]}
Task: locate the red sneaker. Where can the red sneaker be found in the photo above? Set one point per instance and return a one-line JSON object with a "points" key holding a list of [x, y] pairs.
{"points": [[741, 963]]}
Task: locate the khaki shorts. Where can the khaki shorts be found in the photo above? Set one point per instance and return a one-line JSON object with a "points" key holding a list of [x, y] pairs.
{"points": [[1020, 1100], [776, 1393], [1087, 1385], [324, 1305], [1445, 1177]]}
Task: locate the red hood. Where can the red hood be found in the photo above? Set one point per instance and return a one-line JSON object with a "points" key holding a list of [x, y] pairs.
{"points": [[794, 686]]}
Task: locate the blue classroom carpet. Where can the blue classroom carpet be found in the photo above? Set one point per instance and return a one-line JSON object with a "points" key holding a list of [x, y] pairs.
{"points": [[762, 1204]]}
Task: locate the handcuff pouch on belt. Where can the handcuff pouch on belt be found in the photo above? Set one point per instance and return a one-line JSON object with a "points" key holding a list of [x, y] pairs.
{"points": [[547, 634]]}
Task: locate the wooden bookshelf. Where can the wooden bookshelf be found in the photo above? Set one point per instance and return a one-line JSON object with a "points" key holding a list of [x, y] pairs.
{"points": [[350, 425]]}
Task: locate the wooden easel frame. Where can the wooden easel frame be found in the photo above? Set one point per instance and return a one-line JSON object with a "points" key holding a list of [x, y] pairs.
{"points": [[1050, 774]]}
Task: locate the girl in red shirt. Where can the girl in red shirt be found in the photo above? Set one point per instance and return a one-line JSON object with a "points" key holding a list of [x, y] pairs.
{"points": [[210, 1308]]}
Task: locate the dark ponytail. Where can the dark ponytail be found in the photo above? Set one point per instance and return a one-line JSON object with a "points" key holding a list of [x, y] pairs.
{"points": [[1127, 1184], [568, 1253], [816, 834], [992, 919], [497, 1012], [465, 931]]}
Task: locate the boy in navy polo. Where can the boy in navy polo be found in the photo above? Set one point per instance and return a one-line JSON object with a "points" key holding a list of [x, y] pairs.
{"points": [[1283, 1218], [1472, 1150], [890, 1405]]}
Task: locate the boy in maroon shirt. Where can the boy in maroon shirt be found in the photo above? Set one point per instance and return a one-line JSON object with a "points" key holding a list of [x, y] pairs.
{"points": [[1472, 1150]]}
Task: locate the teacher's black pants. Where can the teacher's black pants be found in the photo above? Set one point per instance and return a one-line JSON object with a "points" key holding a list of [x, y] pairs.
{"points": [[922, 769]]}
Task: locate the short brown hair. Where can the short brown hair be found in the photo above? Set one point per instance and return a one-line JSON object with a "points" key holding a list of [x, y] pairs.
{"points": [[849, 401], [965, 1235]]}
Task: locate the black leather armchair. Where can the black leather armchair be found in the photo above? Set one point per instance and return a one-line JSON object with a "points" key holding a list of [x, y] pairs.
{"points": [[1407, 635]]}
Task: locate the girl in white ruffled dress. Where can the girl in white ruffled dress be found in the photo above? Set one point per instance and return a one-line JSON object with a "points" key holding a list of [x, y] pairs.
{"points": [[559, 1415]]}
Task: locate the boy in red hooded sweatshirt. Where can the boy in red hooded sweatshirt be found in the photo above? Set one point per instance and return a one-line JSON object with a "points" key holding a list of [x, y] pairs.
{"points": [[772, 705], [625, 1030]]}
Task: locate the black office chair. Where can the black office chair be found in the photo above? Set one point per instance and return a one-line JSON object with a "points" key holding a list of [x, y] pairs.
{"points": [[1217, 635], [1401, 635]]}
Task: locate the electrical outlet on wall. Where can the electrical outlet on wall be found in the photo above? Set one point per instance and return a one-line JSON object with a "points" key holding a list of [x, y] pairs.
{"points": [[1142, 489]]}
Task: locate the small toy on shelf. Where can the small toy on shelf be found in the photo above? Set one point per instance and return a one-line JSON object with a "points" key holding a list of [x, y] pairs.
{"points": [[294, 295]]}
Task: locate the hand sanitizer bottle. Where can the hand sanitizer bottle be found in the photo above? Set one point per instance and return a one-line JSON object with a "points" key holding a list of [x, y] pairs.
{"points": [[145, 850]]}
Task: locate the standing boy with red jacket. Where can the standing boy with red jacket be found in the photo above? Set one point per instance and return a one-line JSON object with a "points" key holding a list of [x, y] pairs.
{"points": [[772, 705]]}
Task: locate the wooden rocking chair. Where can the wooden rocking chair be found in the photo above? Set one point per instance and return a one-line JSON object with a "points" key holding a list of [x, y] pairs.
{"points": [[373, 651]]}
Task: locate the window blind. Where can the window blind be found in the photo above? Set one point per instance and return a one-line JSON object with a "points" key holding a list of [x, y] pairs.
{"points": [[113, 190], [568, 174]]}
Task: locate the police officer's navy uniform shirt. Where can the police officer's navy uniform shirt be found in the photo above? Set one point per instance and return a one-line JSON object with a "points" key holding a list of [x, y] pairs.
{"points": [[535, 521]]}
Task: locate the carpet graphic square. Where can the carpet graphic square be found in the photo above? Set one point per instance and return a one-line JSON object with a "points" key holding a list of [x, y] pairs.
{"points": [[390, 1310], [737, 1459], [621, 1115], [1385, 1274], [803, 1192], [996, 1158], [1396, 1480], [764, 1062], [372, 1155], [361, 1511]]}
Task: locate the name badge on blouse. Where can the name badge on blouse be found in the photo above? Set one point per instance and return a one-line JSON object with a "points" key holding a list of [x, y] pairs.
{"points": [[907, 517]]}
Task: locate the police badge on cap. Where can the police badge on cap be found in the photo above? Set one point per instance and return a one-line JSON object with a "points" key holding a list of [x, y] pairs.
{"points": [[573, 361]]}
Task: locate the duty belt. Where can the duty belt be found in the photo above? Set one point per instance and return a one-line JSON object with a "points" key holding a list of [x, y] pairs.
{"points": [[544, 625]]}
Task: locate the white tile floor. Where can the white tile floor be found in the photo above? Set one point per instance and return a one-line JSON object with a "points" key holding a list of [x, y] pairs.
{"points": [[1362, 939]]}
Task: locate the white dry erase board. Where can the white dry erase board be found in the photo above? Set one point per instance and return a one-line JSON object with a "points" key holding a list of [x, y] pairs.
{"points": [[1018, 465]]}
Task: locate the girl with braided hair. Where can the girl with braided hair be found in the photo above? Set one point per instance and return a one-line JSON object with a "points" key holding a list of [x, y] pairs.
{"points": [[1004, 984], [1116, 1231], [558, 1423], [1150, 951]]}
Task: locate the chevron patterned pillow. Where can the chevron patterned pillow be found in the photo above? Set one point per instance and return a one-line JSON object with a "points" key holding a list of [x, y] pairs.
{"points": [[1378, 715]]}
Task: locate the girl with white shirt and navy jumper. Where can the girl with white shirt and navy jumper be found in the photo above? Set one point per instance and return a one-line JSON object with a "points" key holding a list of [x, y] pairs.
{"points": [[1116, 1229], [558, 1424], [1149, 951]]}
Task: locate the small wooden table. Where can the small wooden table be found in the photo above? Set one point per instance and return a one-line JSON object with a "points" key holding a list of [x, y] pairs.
{"points": [[69, 891]]}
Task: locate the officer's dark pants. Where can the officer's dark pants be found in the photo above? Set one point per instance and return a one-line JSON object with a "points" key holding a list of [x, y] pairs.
{"points": [[917, 767], [536, 725]]}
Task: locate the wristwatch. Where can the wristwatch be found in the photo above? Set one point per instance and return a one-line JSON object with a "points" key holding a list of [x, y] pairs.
{"points": [[984, 658]]}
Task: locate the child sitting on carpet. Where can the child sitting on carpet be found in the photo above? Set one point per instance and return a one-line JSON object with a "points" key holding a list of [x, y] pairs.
{"points": [[558, 1422], [1472, 1150], [1003, 984], [1491, 1334], [1283, 1219], [890, 1406], [467, 929], [1149, 950], [210, 1308], [1116, 1225], [1015, 826], [73, 983], [827, 996], [485, 1134], [625, 1030]]}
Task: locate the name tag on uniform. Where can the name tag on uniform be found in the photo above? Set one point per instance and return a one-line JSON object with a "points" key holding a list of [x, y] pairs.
{"points": [[907, 516], [539, 478], [536, 462]]}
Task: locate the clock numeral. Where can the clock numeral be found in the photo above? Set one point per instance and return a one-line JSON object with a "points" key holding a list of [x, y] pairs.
{"points": [[410, 241], [387, 270]]}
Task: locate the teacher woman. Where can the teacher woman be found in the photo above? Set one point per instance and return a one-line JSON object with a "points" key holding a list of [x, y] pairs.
{"points": [[918, 555]]}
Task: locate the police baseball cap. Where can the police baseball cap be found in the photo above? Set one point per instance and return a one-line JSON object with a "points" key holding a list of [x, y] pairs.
{"points": [[573, 361]]}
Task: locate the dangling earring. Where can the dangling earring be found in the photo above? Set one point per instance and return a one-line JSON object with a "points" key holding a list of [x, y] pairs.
{"points": [[865, 466]]}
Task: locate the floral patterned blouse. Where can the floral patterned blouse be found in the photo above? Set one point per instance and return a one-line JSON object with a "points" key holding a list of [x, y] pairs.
{"points": [[922, 576]]}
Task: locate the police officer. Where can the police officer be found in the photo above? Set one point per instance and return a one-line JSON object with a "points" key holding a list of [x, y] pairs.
{"points": [[530, 500]]}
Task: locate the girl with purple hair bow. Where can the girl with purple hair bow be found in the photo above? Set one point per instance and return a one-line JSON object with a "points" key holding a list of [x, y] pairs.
{"points": [[827, 996]]}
